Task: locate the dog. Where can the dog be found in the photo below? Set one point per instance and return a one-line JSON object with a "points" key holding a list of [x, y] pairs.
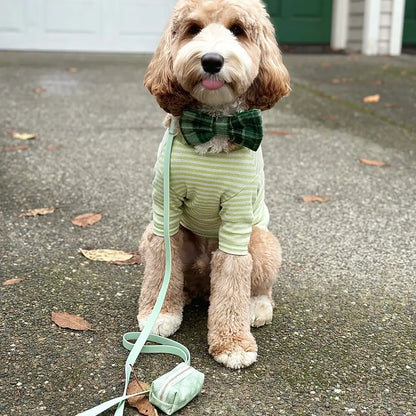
{"points": [[220, 58]]}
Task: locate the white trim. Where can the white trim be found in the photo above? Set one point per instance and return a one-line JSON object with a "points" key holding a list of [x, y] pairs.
{"points": [[371, 28], [396, 34], [340, 20]]}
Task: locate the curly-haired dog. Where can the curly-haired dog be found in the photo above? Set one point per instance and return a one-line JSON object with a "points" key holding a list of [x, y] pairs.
{"points": [[217, 58]]}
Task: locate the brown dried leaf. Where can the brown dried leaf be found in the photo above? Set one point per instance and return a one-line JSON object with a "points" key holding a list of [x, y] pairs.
{"points": [[372, 98], [279, 132], [21, 136], [390, 105], [84, 220], [341, 80], [39, 90], [136, 259], [141, 403], [316, 198], [11, 282], [53, 147], [106, 255], [72, 69], [21, 147], [75, 322], [38, 211], [373, 162]]}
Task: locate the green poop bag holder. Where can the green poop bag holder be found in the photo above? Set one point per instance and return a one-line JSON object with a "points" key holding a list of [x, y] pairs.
{"points": [[178, 387]]}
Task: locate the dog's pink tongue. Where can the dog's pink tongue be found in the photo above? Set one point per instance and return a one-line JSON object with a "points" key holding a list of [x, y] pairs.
{"points": [[212, 84]]}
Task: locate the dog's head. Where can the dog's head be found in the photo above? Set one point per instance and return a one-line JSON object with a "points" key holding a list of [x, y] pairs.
{"points": [[216, 52]]}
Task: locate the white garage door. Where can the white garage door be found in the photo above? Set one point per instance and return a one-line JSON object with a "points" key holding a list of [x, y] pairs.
{"points": [[83, 25]]}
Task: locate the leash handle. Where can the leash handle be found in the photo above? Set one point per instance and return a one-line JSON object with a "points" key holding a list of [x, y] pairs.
{"points": [[166, 346]]}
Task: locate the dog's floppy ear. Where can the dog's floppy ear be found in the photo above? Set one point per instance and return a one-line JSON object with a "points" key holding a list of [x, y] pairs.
{"points": [[272, 82], [159, 78]]}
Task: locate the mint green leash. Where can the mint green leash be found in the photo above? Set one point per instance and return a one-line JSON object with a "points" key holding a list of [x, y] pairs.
{"points": [[165, 345]]}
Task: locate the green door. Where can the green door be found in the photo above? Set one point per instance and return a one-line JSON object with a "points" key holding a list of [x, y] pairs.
{"points": [[409, 29], [301, 21]]}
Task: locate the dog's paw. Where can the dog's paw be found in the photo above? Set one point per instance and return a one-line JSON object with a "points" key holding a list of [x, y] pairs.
{"points": [[261, 311], [166, 324], [236, 352], [236, 359]]}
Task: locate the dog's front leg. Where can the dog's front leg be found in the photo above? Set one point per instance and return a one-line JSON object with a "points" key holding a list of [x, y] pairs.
{"points": [[229, 338], [153, 252]]}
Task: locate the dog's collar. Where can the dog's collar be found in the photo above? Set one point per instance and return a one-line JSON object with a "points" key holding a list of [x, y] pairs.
{"points": [[244, 128]]}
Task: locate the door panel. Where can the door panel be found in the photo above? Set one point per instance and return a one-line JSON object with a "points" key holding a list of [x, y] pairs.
{"points": [[83, 25], [300, 21], [409, 28]]}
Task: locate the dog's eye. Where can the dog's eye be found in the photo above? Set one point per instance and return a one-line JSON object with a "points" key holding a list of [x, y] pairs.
{"points": [[237, 30], [194, 29]]}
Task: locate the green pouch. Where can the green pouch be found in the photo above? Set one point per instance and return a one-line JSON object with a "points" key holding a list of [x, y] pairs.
{"points": [[176, 389]]}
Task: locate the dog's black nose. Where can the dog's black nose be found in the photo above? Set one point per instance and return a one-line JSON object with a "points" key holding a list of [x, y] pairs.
{"points": [[212, 62]]}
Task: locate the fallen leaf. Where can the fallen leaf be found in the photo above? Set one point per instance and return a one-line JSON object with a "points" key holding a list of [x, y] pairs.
{"points": [[21, 136], [106, 255], [136, 259], [372, 98], [316, 198], [72, 69], [39, 90], [21, 147], [141, 403], [326, 64], [279, 132], [38, 211], [84, 220], [341, 80], [373, 162], [11, 282], [331, 118], [53, 147], [390, 105], [75, 322]]}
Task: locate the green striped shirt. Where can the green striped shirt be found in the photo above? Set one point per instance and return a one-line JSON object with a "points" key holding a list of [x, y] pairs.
{"points": [[217, 195]]}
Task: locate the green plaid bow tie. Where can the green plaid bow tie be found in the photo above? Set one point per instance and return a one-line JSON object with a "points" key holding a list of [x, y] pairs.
{"points": [[243, 128]]}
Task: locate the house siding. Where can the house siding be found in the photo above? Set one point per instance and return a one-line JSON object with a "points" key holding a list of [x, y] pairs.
{"points": [[375, 26], [386, 19], [356, 24]]}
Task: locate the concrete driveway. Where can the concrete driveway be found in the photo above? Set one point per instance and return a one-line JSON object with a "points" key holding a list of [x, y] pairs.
{"points": [[343, 338]]}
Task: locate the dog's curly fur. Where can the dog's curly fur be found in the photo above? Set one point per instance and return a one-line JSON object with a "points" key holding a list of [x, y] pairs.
{"points": [[253, 76]]}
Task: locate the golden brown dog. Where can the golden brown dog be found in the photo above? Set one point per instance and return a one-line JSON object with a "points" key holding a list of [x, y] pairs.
{"points": [[220, 57]]}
